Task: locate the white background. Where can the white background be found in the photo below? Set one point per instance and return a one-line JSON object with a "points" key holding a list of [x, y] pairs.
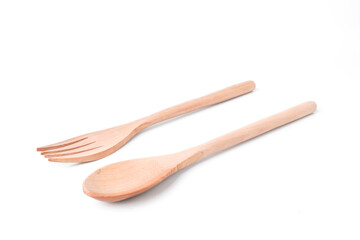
{"points": [[72, 67]]}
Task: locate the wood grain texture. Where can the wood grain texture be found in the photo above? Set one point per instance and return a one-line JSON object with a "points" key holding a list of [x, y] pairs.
{"points": [[97, 145], [125, 179]]}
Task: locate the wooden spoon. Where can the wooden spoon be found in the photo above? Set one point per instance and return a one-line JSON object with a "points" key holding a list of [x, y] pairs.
{"points": [[126, 179]]}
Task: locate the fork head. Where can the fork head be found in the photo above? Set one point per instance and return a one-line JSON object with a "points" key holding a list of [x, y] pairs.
{"points": [[91, 146]]}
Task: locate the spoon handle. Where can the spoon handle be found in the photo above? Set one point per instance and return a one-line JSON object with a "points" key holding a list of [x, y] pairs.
{"points": [[255, 129], [210, 99]]}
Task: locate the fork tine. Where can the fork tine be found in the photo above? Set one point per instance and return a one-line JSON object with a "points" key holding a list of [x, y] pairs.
{"points": [[87, 156], [72, 152], [69, 147], [62, 144]]}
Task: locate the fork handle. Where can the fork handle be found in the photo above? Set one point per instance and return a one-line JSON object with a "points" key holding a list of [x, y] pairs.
{"points": [[210, 99], [255, 129]]}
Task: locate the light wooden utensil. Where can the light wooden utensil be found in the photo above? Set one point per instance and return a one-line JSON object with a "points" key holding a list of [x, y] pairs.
{"points": [[97, 145], [126, 179]]}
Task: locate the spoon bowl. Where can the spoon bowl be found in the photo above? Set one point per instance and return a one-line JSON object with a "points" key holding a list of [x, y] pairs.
{"points": [[126, 179]]}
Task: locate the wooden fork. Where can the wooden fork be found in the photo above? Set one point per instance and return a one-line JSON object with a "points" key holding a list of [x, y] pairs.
{"points": [[126, 179], [97, 145]]}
